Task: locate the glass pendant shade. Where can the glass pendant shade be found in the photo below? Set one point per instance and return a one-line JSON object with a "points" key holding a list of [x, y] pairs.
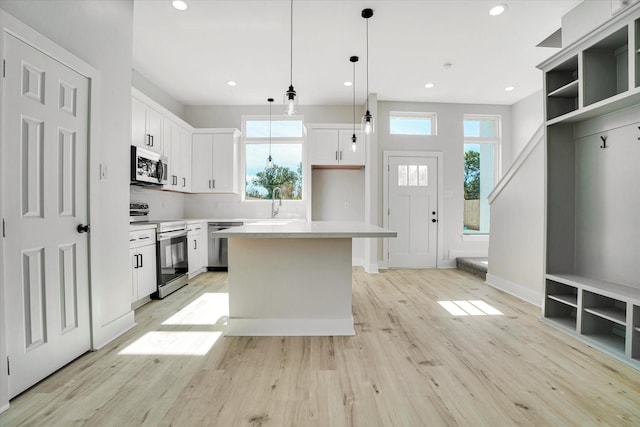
{"points": [[269, 161], [354, 146], [367, 125], [290, 101]]}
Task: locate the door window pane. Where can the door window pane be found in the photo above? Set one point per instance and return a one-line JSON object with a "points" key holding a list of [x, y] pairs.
{"points": [[402, 175], [422, 176], [413, 175]]}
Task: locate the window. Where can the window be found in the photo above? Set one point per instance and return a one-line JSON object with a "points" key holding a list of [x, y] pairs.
{"points": [[412, 176], [407, 123], [287, 134], [481, 149]]}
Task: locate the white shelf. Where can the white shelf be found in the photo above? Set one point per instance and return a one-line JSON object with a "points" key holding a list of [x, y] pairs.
{"points": [[569, 299], [613, 314], [568, 323], [570, 90], [613, 343], [597, 286]]}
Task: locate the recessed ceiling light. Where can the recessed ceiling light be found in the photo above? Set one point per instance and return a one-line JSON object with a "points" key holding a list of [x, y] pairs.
{"points": [[497, 9], [231, 83], [179, 4], [429, 85], [348, 83], [509, 88]]}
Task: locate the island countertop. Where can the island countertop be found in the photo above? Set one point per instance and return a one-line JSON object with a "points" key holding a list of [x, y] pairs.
{"points": [[306, 229]]}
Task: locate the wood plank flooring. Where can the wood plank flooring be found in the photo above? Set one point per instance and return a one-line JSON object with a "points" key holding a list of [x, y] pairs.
{"points": [[411, 363]]}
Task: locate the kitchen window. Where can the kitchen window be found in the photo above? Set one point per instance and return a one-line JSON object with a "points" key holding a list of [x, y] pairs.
{"points": [[481, 151], [412, 123], [287, 136]]}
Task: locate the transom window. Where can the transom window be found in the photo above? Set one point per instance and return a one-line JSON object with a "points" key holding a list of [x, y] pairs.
{"points": [[481, 148], [285, 173], [412, 123]]}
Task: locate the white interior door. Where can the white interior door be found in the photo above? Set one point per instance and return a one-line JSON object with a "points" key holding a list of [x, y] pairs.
{"points": [[413, 211], [44, 138]]}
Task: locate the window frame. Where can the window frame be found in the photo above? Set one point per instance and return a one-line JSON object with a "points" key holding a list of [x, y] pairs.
{"points": [[416, 115], [301, 140], [496, 141]]}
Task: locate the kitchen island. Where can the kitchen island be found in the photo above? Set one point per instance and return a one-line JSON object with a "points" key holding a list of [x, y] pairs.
{"points": [[292, 278]]}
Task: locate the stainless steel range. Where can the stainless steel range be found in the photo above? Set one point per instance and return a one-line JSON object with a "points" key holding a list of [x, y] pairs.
{"points": [[171, 250]]}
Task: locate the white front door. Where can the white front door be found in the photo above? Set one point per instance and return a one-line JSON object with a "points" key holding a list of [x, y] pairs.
{"points": [[45, 178], [413, 211]]}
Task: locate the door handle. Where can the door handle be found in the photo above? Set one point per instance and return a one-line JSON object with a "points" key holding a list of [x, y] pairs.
{"points": [[83, 228], [137, 261], [184, 182], [434, 220], [195, 244]]}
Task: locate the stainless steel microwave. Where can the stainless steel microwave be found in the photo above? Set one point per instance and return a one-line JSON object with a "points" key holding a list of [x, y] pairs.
{"points": [[147, 167]]}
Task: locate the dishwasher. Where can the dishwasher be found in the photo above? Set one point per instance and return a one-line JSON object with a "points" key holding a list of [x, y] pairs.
{"points": [[218, 256]]}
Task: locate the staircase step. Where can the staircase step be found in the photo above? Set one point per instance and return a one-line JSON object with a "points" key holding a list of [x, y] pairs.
{"points": [[474, 265]]}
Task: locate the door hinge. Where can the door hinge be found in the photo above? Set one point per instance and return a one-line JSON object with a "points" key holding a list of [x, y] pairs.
{"points": [[8, 366]]}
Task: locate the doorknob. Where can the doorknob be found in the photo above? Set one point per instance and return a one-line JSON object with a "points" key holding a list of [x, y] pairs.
{"points": [[83, 228], [434, 220]]}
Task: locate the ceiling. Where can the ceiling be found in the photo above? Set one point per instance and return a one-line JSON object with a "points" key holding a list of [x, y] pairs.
{"points": [[191, 55]]}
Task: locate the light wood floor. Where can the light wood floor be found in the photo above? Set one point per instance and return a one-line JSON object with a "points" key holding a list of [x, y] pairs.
{"points": [[411, 363]]}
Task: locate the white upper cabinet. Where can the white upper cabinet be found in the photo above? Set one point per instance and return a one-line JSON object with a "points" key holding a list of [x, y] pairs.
{"points": [[177, 148], [146, 126], [331, 146], [214, 161]]}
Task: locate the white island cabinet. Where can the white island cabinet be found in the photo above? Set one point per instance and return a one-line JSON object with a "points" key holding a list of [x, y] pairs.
{"points": [[292, 279]]}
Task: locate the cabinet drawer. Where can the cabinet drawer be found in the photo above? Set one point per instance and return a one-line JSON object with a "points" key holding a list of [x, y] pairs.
{"points": [[141, 238]]}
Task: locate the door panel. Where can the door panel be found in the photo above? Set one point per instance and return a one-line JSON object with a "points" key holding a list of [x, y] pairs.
{"points": [[413, 207], [45, 145]]}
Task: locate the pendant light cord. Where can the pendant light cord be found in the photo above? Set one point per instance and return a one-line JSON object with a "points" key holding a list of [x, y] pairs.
{"points": [[291, 47], [270, 102], [354, 97], [367, 63]]}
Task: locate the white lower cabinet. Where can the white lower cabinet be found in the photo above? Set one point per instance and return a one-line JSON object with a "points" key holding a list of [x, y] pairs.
{"points": [[142, 251], [197, 249]]}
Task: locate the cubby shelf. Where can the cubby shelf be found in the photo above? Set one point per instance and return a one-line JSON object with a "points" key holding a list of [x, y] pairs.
{"points": [[612, 343], [569, 299], [616, 315], [570, 90]]}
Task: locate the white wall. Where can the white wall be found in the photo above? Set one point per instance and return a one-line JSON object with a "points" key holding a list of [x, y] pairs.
{"points": [[230, 116], [100, 33], [449, 140], [162, 204], [338, 195], [527, 116], [150, 89]]}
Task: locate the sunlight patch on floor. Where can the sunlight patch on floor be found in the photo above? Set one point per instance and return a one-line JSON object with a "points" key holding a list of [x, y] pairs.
{"points": [[469, 308], [173, 343], [208, 309]]}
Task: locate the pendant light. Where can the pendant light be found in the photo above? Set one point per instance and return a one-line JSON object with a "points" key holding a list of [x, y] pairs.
{"points": [[354, 138], [270, 159], [367, 120], [290, 100]]}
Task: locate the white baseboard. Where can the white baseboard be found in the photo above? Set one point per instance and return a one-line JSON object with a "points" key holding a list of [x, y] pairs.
{"points": [[113, 330], [357, 262], [4, 408], [371, 268], [527, 294]]}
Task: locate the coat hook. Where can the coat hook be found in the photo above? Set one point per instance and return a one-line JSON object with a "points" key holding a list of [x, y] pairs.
{"points": [[604, 142]]}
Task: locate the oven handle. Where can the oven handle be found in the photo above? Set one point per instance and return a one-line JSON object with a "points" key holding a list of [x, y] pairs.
{"points": [[171, 234]]}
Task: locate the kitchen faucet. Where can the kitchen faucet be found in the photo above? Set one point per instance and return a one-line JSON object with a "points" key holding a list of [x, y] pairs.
{"points": [[275, 209]]}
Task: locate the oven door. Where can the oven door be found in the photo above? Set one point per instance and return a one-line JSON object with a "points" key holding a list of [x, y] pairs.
{"points": [[173, 263]]}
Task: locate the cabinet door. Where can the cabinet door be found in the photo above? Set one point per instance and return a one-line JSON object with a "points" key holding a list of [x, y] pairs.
{"points": [[154, 128], [138, 123], [324, 147], [348, 157], [184, 177], [171, 149], [201, 239], [147, 282], [201, 158], [224, 159], [133, 255]]}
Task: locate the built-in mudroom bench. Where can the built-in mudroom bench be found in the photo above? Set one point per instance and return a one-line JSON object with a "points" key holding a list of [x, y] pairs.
{"points": [[592, 260]]}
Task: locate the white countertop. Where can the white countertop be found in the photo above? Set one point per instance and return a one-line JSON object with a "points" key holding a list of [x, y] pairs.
{"points": [[304, 229]]}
